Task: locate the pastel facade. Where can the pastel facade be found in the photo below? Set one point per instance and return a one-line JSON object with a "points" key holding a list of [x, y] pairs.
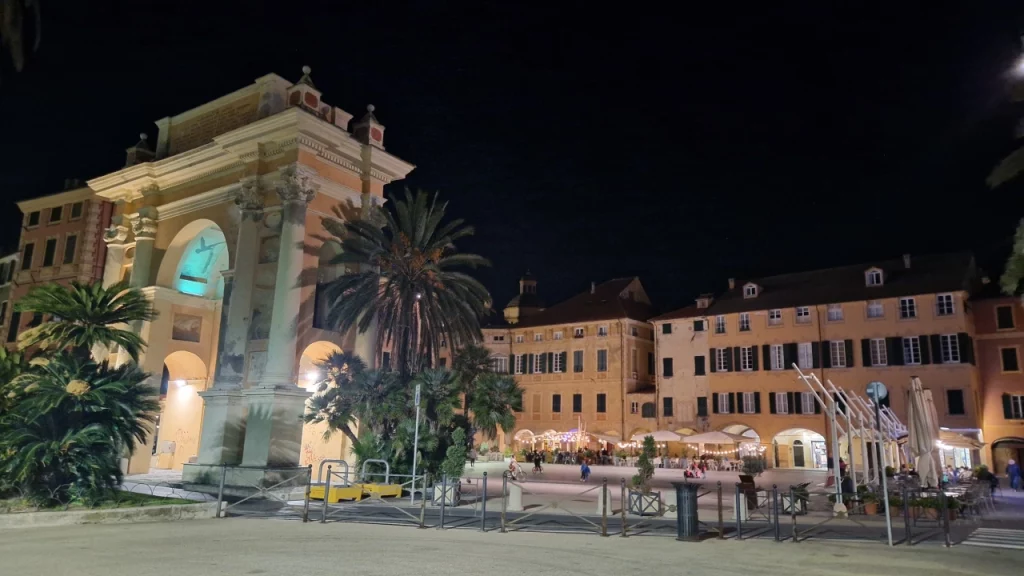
{"points": [[1000, 339], [885, 321], [221, 226], [682, 344], [582, 362]]}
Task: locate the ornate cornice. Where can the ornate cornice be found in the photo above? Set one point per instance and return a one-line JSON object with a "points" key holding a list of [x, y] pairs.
{"points": [[196, 202]]}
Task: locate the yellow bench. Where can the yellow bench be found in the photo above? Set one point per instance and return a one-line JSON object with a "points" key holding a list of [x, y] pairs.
{"points": [[337, 494], [382, 489]]}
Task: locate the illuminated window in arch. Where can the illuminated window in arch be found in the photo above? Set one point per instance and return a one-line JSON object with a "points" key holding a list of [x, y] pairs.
{"points": [[201, 264]]}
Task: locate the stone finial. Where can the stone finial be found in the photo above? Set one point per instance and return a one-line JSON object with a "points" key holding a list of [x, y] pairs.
{"points": [[139, 153], [306, 79], [369, 130]]}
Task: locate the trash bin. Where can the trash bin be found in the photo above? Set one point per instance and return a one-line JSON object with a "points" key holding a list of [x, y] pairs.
{"points": [[687, 524]]}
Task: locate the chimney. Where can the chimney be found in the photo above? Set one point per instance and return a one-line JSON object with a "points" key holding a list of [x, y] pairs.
{"points": [[732, 283], [906, 261], [593, 287]]}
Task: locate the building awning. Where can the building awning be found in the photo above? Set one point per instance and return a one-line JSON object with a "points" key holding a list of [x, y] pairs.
{"points": [[606, 438], [949, 439]]}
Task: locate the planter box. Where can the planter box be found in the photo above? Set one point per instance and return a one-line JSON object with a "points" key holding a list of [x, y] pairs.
{"points": [[787, 505], [452, 494], [641, 504]]}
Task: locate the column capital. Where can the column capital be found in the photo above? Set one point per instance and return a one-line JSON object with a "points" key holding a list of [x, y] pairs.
{"points": [[115, 234], [295, 185], [250, 198], [144, 228]]}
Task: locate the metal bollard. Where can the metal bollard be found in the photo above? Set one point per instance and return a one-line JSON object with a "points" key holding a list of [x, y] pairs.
{"points": [[483, 505], [792, 511], [423, 501], [906, 515], [305, 505], [623, 504], [945, 517], [604, 507], [220, 490], [721, 513], [504, 499], [739, 515], [775, 506], [327, 496], [444, 497]]}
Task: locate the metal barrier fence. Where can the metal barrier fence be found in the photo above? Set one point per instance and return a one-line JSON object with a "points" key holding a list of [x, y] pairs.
{"points": [[264, 491]]}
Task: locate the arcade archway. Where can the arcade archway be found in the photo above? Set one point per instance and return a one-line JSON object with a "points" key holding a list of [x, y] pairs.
{"points": [[799, 448], [318, 443], [181, 411]]}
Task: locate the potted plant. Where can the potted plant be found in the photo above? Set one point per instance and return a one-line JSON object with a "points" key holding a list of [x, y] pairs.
{"points": [[452, 468], [642, 501], [869, 499], [753, 465], [507, 454], [895, 506], [890, 472]]}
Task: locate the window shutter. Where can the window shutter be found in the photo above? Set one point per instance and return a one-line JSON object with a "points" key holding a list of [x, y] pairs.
{"points": [[789, 399], [789, 355], [551, 361], [815, 355], [728, 359], [963, 343], [970, 350], [865, 351], [926, 357], [565, 361], [702, 406], [826, 354], [936, 345], [757, 402], [512, 364], [798, 405], [766, 353], [714, 360], [894, 350], [817, 406], [1007, 410], [849, 353], [529, 364], [753, 359], [732, 402], [736, 365], [714, 403], [771, 402]]}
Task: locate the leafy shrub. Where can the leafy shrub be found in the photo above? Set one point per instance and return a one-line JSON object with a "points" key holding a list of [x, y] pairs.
{"points": [[645, 466]]}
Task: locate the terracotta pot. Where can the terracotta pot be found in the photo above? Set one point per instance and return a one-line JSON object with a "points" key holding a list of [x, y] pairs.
{"points": [[871, 508]]}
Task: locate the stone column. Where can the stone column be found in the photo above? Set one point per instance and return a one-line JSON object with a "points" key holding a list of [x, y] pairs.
{"points": [[221, 440], [366, 342], [273, 433]]}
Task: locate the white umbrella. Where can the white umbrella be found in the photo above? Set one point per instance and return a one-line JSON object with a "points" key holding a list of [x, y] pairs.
{"points": [[717, 438], [922, 425], [659, 436]]}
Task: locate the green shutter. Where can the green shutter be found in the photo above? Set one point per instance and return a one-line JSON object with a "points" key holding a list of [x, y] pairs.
{"points": [[970, 351], [702, 406], [771, 402], [714, 360], [963, 343], [848, 344], [865, 351], [757, 402], [790, 354], [926, 357], [826, 354], [797, 406], [789, 399], [766, 355], [737, 364], [732, 401], [753, 359], [1007, 409], [815, 355], [714, 403], [529, 364], [936, 344]]}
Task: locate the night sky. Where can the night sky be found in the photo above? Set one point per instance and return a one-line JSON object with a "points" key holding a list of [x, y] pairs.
{"points": [[584, 143]]}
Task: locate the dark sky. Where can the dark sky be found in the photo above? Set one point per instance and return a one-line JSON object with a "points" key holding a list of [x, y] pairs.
{"points": [[584, 142]]}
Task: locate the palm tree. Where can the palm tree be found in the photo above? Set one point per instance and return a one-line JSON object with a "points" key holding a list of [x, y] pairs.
{"points": [[408, 280], [11, 365], [470, 362], [496, 397], [85, 315], [1014, 271]]}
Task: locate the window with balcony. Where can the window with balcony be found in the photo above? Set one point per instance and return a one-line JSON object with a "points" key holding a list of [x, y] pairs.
{"points": [[577, 332], [602, 330]]}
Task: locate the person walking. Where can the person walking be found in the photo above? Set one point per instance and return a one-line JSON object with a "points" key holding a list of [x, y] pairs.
{"points": [[584, 471], [472, 457], [1013, 473]]}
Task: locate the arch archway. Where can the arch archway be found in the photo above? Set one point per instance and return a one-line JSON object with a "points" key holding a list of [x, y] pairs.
{"points": [[800, 448], [752, 448], [1006, 449], [194, 260], [181, 410], [317, 444]]}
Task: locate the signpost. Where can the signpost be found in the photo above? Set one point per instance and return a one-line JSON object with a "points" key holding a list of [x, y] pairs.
{"points": [[415, 453], [877, 391]]}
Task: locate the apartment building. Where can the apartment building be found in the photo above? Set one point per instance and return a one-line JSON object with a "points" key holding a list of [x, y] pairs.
{"points": [[61, 241], [998, 323], [682, 350], [587, 361], [880, 321]]}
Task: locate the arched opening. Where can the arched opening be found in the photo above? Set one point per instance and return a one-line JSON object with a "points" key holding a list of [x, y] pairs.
{"points": [[315, 446], [193, 262], [800, 448], [181, 411], [1004, 450], [751, 448], [327, 271]]}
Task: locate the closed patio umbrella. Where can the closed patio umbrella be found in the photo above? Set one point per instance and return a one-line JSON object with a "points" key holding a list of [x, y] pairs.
{"points": [[923, 428]]}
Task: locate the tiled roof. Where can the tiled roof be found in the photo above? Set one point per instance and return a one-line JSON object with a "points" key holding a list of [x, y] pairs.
{"points": [[690, 311], [604, 304], [927, 274]]}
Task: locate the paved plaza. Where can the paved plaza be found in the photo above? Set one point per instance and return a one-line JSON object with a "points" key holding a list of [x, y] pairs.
{"points": [[253, 546]]}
